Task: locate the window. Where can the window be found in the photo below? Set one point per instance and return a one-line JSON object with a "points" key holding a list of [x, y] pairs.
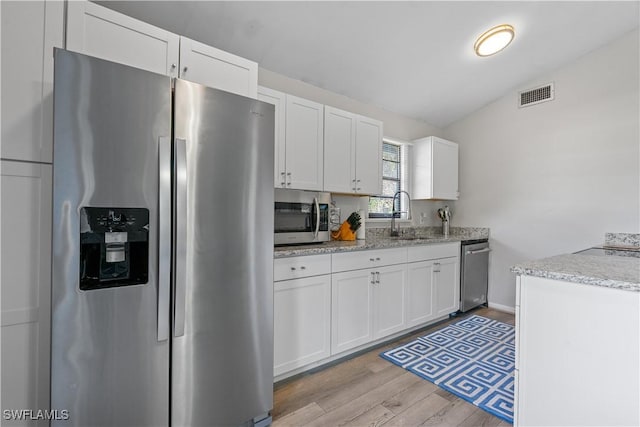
{"points": [[394, 178]]}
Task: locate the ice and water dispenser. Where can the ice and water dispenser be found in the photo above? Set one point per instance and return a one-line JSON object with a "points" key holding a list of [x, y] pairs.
{"points": [[114, 247]]}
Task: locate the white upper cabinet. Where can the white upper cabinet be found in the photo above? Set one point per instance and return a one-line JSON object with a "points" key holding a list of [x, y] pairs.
{"points": [[97, 31], [30, 31], [352, 153], [278, 100], [298, 162], [368, 156], [216, 68], [304, 130], [339, 150], [435, 169], [101, 32]]}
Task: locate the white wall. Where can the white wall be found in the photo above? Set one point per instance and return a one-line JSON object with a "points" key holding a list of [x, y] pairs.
{"points": [[553, 178]]}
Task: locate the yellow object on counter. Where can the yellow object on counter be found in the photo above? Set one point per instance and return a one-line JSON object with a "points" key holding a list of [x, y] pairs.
{"points": [[343, 233]]}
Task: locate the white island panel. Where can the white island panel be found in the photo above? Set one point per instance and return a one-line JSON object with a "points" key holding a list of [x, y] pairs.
{"points": [[578, 354]]}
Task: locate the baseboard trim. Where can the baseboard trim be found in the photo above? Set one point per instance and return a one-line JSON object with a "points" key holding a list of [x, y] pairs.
{"points": [[501, 307]]}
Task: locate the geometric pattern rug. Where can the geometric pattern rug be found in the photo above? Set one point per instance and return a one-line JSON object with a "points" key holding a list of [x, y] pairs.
{"points": [[473, 359]]}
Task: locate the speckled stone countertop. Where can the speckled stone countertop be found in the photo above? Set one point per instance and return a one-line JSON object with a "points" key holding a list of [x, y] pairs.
{"points": [[608, 271], [379, 239], [622, 239]]}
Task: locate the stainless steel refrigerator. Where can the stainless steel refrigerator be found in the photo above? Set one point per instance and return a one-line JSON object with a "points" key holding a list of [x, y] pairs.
{"points": [[162, 303]]}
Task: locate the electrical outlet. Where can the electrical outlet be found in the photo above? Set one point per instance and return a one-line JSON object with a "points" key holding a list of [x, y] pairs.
{"points": [[423, 215]]}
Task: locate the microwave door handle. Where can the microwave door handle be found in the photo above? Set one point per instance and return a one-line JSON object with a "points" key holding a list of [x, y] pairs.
{"points": [[315, 201]]}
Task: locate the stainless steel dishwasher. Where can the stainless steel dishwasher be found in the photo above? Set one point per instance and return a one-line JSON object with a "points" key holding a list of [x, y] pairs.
{"points": [[474, 273]]}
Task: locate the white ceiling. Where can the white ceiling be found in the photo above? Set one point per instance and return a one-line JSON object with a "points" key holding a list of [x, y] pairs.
{"points": [[413, 58]]}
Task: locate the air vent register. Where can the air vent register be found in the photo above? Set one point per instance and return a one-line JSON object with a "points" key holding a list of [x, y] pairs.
{"points": [[536, 95]]}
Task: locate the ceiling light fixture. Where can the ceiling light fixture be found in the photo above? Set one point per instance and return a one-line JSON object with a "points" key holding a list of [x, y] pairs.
{"points": [[494, 40]]}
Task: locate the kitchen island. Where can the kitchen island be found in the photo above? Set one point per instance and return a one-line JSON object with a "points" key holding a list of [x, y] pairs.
{"points": [[578, 341]]}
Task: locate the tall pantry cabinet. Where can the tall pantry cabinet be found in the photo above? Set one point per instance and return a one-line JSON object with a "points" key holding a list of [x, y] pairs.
{"points": [[26, 156]]}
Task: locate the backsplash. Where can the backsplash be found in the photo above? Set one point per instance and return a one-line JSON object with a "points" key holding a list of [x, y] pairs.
{"points": [[429, 208], [622, 239], [428, 231]]}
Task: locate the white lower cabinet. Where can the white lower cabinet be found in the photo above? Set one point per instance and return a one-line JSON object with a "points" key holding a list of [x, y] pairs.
{"points": [[367, 304], [434, 282], [419, 293], [302, 311], [327, 306], [351, 300], [302, 319], [389, 296], [446, 283]]}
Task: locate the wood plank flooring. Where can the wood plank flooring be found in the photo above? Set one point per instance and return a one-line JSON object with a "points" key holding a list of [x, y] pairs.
{"points": [[369, 391]]}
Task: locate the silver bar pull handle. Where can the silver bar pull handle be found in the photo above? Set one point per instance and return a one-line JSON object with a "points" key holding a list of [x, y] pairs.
{"points": [[164, 237], [480, 251], [180, 209], [315, 200]]}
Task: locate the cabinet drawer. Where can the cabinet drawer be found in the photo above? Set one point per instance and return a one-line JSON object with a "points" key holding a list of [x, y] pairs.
{"points": [[303, 266], [433, 251], [367, 259]]}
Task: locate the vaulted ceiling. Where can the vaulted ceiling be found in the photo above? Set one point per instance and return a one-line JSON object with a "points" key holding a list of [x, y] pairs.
{"points": [[415, 58]]}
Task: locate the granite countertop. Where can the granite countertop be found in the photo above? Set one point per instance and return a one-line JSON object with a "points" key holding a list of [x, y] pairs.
{"points": [[381, 241], [607, 271]]}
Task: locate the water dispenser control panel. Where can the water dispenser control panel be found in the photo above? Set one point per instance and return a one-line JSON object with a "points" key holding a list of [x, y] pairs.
{"points": [[114, 247]]}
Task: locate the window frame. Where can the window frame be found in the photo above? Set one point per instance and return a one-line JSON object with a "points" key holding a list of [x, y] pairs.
{"points": [[403, 182]]}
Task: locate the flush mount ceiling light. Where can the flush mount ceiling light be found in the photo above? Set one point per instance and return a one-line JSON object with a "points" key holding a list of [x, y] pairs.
{"points": [[494, 40]]}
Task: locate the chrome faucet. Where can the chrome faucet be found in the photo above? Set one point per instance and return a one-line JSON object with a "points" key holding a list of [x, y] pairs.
{"points": [[395, 230]]}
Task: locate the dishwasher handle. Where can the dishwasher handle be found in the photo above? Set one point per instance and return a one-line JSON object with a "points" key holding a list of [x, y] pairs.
{"points": [[479, 251]]}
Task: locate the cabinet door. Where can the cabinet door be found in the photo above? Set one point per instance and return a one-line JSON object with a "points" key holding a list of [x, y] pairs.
{"points": [[26, 284], [97, 31], [218, 69], [304, 136], [447, 286], [277, 99], [30, 31], [389, 300], [351, 301], [302, 322], [339, 151], [368, 165], [445, 169], [419, 293]]}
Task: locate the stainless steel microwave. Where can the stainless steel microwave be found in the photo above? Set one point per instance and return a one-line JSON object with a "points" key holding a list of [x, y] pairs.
{"points": [[301, 217]]}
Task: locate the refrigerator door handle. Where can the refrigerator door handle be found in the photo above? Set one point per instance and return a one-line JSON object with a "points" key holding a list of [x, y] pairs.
{"points": [[180, 209], [164, 236]]}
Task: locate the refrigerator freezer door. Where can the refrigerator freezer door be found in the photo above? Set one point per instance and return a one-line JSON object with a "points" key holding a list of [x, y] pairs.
{"points": [[222, 361], [108, 365]]}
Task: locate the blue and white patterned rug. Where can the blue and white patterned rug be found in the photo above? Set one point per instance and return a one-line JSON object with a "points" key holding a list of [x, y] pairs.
{"points": [[473, 359]]}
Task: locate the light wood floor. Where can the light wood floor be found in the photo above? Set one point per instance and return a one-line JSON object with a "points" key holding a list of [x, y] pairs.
{"points": [[369, 391]]}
